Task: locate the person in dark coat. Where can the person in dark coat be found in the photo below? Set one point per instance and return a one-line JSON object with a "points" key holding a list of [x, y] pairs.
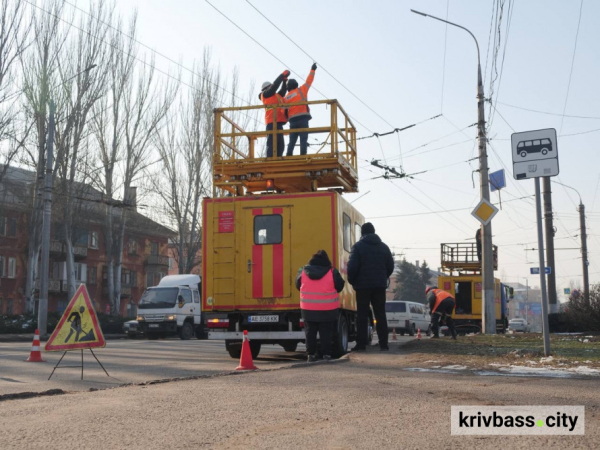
{"points": [[478, 244], [369, 269], [319, 284]]}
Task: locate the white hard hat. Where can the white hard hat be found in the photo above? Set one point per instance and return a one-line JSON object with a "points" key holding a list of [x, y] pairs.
{"points": [[265, 85]]}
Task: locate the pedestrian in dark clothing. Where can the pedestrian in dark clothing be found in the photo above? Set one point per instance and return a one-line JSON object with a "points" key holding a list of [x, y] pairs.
{"points": [[369, 268], [319, 284], [478, 243], [270, 96], [441, 306]]}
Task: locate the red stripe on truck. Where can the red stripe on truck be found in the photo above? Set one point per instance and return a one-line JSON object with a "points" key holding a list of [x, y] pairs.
{"points": [[257, 264], [278, 264]]}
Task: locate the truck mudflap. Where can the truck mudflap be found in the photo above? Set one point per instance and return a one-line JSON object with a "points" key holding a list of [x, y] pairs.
{"points": [[258, 335]]}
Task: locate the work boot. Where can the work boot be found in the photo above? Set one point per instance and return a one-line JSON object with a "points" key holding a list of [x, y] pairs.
{"points": [[435, 336], [384, 348], [359, 348], [454, 337], [326, 357], [312, 358]]}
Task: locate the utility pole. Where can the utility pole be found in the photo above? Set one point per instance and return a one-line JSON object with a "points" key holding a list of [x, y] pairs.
{"points": [[552, 297], [584, 253], [45, 263], [487, 259]]}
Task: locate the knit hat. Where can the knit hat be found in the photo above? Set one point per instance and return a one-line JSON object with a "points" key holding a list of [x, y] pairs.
{"points": [[367, 228], [320, 259]]}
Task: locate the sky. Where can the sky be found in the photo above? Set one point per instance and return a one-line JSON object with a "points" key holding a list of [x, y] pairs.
{"points": [[408, 68]]}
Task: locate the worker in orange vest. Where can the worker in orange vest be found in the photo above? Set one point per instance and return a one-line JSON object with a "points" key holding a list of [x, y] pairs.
{"points": [[299, 115], [319, 284], [269, 96], [441, 306]]}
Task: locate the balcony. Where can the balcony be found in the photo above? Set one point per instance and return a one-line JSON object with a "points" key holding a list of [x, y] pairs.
{"points": [[58, 251], [125, 288], [157, 260], [65, 285], [53, 285]]}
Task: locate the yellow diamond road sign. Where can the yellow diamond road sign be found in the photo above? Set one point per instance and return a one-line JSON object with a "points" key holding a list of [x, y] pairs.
{"points": [[484, 212]]}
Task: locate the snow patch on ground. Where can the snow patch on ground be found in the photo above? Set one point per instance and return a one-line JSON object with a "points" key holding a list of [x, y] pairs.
{"points": [[455, 367]]}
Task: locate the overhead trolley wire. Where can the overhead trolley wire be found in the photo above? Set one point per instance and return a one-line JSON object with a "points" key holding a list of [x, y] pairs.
{"points": [[570, 116]]}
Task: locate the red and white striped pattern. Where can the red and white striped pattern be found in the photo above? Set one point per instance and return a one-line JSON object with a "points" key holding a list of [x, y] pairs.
{"points": [[35, 355]]}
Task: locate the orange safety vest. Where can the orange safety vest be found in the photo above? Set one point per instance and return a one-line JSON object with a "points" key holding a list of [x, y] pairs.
{"points": [[440, 296], [300, 94], [269, 112], [318, 295]]}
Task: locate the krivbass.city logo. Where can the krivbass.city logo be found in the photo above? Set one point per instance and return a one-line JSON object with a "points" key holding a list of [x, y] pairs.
{"points": [[518, 420]]}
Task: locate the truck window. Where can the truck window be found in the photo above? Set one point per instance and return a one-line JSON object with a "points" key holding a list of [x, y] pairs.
{"points": [[357, 232], [158, 298], [268, 229], [187, 295], [196, 296], [347, 233]]}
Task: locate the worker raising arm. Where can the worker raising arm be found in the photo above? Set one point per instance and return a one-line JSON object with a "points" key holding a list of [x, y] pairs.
{"points": [[299, 115], [270, 96]]}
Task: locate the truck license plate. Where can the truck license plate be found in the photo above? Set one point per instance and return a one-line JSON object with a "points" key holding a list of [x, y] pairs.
{"points": [[153, 325], [263, 319]]}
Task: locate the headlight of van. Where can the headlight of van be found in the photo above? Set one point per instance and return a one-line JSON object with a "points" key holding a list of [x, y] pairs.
{"points": [[140, 318], [171, 317]]}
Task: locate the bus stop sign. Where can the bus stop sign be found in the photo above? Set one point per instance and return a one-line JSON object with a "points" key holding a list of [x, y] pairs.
{"points": [[534, 154]]}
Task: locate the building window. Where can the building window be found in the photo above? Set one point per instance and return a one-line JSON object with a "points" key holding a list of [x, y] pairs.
{"points": [[2, 266], [132, 247], [268, 229], [3, 222], [9, 307], [12, 227], [125, 277], [81, 272], [171, 263], [153, 248], [93, 243], [93, 275], [1, 305], [132, 278], [12, 267], [347, 233], [153, 278], [80, 237]]}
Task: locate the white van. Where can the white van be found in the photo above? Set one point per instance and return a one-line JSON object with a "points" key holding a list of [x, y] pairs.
{"points": [[408, 317], [172, 307]]}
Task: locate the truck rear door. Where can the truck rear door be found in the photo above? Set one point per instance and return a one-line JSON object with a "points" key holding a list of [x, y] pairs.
{"points": [[268, 254]]}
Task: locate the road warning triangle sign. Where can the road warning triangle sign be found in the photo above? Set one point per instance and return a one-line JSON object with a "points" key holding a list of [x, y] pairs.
{"points": [[78, 326]]}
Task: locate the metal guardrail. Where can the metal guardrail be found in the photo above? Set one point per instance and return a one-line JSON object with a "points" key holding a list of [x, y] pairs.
{"points": [[463, 255]]}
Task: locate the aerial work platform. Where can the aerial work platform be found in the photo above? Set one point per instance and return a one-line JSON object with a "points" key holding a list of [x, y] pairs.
{"points": [[462, 258], [240, 164]]}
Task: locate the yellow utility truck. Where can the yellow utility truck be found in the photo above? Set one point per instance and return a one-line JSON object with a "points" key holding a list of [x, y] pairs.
{"points": [[462, 278], [266, 218]]}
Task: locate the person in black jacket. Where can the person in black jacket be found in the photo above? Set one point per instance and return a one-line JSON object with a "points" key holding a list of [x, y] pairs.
{"points": [[269, 96], [369, 269], [319, 302]]}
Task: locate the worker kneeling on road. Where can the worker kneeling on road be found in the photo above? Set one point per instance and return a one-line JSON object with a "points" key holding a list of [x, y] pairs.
{"points": [[319, 284], [269, 96], [299, 115], [441, 306]]}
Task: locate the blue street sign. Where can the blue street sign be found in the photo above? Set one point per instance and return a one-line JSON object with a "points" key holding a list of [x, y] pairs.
{"points": [[497, 180], [536, 270], [567, 291]]}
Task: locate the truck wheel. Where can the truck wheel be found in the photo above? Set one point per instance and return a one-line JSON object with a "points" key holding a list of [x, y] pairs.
{"points": [[255, 349], [340, 338], [234, 348], [290, 347], [411, 330], [186, 331], [402, 333]]}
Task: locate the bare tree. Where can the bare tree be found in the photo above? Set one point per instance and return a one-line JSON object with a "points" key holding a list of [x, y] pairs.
{"points": [[40, 74], [14, 33]]}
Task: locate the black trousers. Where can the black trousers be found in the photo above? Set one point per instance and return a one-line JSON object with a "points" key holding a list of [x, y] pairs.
{"points": [[325, 330], [375, 298], [280, 142], [443, 312], [296, 124]]}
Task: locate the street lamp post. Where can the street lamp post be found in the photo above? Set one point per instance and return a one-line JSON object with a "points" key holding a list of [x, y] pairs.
{"points": [[487, 260], [48, 185]]}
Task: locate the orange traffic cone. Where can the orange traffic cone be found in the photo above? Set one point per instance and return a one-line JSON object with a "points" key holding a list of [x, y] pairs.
{"points": [[418, 333], [394, 337], [246, 362], [35, 355]]}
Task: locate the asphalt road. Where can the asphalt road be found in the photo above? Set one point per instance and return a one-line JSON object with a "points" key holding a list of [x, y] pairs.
{"points": [[368, 402], [127, 361]]}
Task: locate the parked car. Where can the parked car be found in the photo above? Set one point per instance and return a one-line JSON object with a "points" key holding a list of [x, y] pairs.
{"points": [[519, 325], [131, 329], [408, 317]]}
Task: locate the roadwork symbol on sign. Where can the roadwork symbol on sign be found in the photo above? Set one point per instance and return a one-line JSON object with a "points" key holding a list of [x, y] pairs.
{"points": [[484, 212], [78, 327]]}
